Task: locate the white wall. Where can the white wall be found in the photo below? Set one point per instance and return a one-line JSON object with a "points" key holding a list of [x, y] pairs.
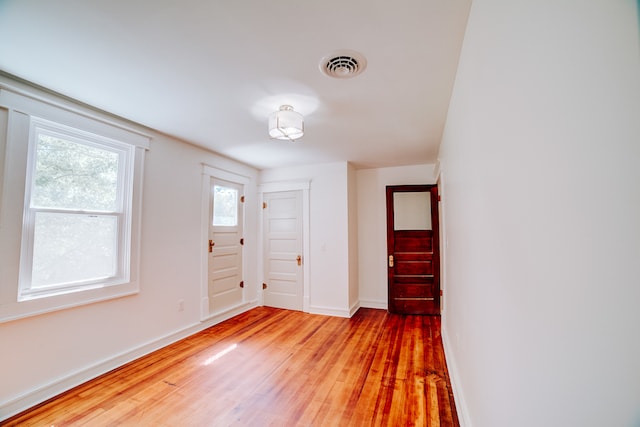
{"points": [[540, 161], [372, 226], [352, 205], [329, 233], [43, 355]]}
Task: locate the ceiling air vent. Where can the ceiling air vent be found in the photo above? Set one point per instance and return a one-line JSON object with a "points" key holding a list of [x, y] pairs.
{"points": [[343, 64]]}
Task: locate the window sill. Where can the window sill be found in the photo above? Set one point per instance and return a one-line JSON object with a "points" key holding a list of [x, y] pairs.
{"points": [[50, 303]]}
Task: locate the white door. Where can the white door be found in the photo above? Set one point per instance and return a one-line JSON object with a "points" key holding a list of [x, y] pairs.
{"points": [[225, 246], [283, 250]]}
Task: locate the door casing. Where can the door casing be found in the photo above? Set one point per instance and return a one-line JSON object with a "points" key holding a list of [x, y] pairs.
{"points": [[209, 173], [283, 260], [304, 187], [225, 260]]}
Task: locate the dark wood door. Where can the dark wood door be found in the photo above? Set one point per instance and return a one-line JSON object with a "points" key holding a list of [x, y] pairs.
{"points": [[413, 260]]}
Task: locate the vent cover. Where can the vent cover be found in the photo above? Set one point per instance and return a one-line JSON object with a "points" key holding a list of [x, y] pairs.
{"points": [[343, 64]]}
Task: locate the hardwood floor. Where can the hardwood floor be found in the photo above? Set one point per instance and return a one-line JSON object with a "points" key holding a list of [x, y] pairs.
{"points": [[272, 367]]}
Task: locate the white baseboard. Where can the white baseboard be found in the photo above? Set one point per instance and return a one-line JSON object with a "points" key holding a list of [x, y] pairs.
{"points": [[370, 303], [461, 407], [221, 316], [27, 400], [329, 311], [355, 307]]}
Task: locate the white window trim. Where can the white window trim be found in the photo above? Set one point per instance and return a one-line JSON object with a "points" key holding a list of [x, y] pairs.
{"points": [[18, 109], [122, 212]]}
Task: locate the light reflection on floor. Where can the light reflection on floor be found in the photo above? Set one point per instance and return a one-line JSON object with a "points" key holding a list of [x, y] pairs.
{"points": [[219, 354]]}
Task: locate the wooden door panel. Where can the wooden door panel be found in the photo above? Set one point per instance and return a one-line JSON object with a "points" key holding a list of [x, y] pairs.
{"points": [[414, 290], [413, 268], [413, 241], [411, 256], [417, 306]]}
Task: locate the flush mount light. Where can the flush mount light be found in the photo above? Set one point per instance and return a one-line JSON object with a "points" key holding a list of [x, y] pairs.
{"points": [[286, 124]]}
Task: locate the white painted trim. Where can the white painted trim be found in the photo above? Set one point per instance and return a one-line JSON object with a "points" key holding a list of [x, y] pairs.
{"points": [[452, 368], [304, 186], [443, 239], [25, 111], [370, 303], [225, 174], [208, 173], [271, 187], [354, 308], [436, 171], [27, 400], [204, 234], [223, 315], [306, 249], [329, 311], [30, 104], [261, 248]]}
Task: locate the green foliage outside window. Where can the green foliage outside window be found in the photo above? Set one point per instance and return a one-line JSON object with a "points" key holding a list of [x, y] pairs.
{"points": [[75, 176]]}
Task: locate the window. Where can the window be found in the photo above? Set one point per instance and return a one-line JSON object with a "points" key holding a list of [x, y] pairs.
{"points": [[70, 204], [77, 211], [225, 206]]}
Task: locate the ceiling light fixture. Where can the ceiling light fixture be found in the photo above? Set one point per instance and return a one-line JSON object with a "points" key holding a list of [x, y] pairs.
{"points": [[286, 124]]}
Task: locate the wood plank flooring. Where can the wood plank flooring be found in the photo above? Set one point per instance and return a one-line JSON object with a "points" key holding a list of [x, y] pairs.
{"points": [[272, 367]]}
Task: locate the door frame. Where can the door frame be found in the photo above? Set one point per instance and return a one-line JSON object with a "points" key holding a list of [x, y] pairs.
{"points": [[276, 187], [439, 176], [435, 221], [209, 173]]}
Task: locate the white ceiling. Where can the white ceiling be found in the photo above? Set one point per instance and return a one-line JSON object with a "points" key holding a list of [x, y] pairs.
{"points": [[211, 71]]}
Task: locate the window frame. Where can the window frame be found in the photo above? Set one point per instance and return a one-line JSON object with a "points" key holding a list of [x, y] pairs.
{"points": [[121, 212], [20, 104]]}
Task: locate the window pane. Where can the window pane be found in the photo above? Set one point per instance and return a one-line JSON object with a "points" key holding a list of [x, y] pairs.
{"points": [[225, 206], [69, 175], [412, 211], [73, 248]]}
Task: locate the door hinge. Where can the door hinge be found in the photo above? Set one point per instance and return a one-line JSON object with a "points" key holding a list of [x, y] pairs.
{"points": [[264, 286], [241, 199], [242, 284], [264, 205], [390, 260], [439, 199], [242, 241]]}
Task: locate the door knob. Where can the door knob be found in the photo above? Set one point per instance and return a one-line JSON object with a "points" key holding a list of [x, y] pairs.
{"points": [[299, 259], [211, 244]]}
